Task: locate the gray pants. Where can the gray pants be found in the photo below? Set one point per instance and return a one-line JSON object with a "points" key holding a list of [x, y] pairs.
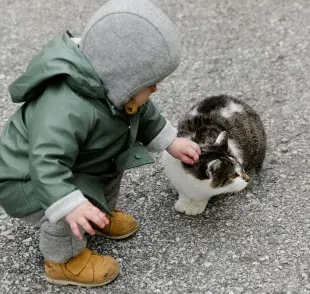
{"points": [[57, 243]]}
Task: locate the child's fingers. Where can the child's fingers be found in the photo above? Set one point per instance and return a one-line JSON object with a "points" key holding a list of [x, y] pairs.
{"points": [[96, 220], [101, 219], [190, 152], [186, 159], [85, 225], [105, 219], [196, 147], [75, 230]]}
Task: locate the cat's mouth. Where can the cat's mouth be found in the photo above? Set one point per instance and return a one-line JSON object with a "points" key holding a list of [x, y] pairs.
{"points": [[238, 183]]}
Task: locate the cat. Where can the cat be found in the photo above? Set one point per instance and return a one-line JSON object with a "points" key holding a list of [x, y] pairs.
{"points": [[232, 140]]}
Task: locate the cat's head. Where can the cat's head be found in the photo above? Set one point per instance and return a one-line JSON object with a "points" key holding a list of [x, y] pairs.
{"points": [[220, 167]]}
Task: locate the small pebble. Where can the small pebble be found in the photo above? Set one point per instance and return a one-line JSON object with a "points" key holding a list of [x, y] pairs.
{"points": [[284, 140], [264, 258], [27, 241], [38, 287]]}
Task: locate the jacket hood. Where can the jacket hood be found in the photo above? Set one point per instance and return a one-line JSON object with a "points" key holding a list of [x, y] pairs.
{"points": [[132, 45], [60, 59]]}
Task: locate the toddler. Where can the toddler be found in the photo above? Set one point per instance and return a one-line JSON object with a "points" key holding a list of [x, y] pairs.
{"points": [[87, 116]]}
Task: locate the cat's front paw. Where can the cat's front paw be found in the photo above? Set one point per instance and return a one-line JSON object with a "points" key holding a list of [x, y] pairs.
{"points": [[195, 208], [182, 204], [190, 207]]}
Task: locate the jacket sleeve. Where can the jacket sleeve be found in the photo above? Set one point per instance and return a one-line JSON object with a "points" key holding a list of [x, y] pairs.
{"points": [[155, 131], [55, 133]]}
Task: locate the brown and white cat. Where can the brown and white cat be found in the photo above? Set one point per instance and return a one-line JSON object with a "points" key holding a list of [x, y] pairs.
{"points": [[232, 141]]}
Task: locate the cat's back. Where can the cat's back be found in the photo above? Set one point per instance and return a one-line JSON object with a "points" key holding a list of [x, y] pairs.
{"points": [[223, 107], [209, 117]]}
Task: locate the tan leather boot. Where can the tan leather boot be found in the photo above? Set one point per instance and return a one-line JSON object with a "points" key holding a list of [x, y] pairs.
{"points": [[86, 269], [121, 226]]}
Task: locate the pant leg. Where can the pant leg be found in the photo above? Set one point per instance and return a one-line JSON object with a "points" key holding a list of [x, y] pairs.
{"points": [[111, 187], [57, 242]]}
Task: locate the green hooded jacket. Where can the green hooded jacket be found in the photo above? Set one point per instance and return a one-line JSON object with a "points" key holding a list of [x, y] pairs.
{"points": [[67, 136]]}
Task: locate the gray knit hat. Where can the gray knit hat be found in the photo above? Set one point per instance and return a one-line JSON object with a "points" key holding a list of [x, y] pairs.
{"points": [[132, 45]]}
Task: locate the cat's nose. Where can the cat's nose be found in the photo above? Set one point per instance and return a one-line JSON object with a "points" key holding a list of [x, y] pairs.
{"points": [[246, 177]]}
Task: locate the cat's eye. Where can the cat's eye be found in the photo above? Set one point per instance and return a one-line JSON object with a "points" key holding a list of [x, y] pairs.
{"points": [[235, 175]]}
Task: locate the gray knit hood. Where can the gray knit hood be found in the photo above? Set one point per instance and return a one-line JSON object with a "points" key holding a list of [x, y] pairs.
{"points": [[132, 45]]}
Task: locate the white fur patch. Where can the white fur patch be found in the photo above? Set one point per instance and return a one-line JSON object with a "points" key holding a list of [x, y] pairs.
{"points": [[193, 112], [231, 109], [235, 150], [220, 138]]}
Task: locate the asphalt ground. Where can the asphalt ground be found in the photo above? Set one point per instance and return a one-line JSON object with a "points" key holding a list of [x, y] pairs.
{"points": [[256, 241]]}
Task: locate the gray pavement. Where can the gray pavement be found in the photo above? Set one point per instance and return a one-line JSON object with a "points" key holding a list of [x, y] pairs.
{"points": [[257, 241]]}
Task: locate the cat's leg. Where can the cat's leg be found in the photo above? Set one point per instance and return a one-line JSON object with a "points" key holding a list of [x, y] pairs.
{"points": [[196, 206], [182, 203], [191, 206]]}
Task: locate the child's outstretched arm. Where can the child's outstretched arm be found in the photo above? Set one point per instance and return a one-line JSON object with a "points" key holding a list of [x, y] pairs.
{"points": [[158, 134], [155, 132]]}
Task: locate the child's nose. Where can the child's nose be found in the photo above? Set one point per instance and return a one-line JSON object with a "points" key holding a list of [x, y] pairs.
{"points": [[153, 89]]}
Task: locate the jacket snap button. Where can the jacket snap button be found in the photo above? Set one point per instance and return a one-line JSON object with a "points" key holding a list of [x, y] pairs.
{"points": [[138, 156]]}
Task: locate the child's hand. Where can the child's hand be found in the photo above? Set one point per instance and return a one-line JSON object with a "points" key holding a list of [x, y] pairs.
{"points": [[185, 150], [81, 216]]}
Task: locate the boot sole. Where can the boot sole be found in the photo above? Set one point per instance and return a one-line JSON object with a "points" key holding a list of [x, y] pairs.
{"points": [[68, 282], [118, 237]]}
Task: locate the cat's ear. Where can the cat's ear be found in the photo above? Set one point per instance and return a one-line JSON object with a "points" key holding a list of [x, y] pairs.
{"points": [[212, 167], [222, 140]]}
